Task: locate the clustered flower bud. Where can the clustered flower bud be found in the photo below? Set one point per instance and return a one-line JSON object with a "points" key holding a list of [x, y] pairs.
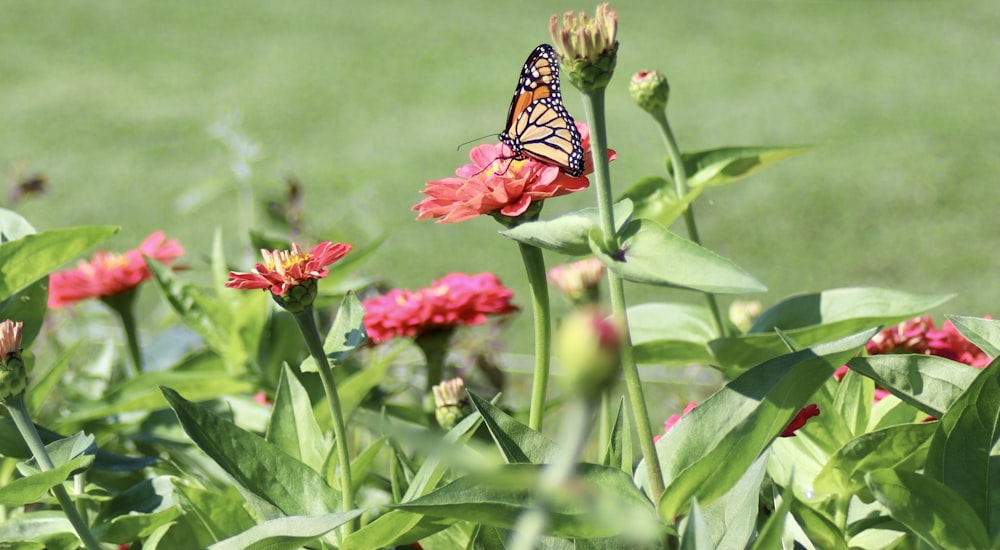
{"points": [[588, 48], [650, 91], [13, 376], [588, 343], [450, 402], [743, 313], [580, 281], [298, 298]]}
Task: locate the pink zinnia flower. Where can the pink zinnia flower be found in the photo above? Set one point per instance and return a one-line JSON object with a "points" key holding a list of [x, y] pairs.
{"points": [[494, 182], [578, 280], [108, 274], [456, 299], [283, 269]]}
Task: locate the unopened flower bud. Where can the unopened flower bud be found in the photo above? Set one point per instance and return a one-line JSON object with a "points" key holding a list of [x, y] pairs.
{"points": [[588, 48], [588, 343], [579, 281], [650, 91], [13, 376], [450, 403], [299, 297], [744, 313]]}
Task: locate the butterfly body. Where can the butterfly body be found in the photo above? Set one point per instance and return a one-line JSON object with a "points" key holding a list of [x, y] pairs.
{"points": [[538, 125]]}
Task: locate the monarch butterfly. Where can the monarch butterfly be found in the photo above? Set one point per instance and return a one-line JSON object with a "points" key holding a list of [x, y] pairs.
{"points": [[538, 125]]}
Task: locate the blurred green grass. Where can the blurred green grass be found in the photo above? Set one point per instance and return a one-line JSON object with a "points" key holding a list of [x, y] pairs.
{"points": [[365, 102]]}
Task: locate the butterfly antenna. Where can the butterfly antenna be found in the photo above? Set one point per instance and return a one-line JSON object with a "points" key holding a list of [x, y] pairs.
{"points": [[459, 148]]}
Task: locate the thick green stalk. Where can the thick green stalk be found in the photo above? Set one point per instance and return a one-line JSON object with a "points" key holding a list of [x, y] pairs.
{"points": [[307, 325], [124, 306], [593, 103], [681, 187], [534, 264], [19, 413]]}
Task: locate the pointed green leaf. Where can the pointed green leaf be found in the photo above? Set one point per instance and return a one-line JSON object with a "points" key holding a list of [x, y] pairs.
{"points": [[984, 333], [516, 441], [903, 446], [695, 535], [965, 451], [745, 415], [28, 306], [219, 513], [33, 488], [728, 164], [671, 333], [39, 530], [604, 501], [853, 401], [929, 383], [771, 533], [286, 533], [346, 334], [13, 226], [927, 507], [653, 255], [618, 452], [257, 465], [820, 530], [732, 518], [820, 317], [31, 257], [292, 426], [655, 198], [567, 233]]}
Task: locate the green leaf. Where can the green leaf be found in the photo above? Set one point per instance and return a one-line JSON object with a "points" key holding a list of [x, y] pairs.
{"points": [[903, 447], [984, 333], [653, 255], [40, 530], [292, 426], [567, 233], [820, 530], [29, 306], [25, 260], [812, 318], [141, 393], [63, 450], [929, 383], [771, 533], [13, 226], [257, 465], [853, 401], [139, 510], [965, 451], [220, 512], [728, 164], [732, 518], [33, 488], [346, 334], [517, 442], [619, 449], [286, 533], [42, 383], [935, 513], [695, 534], [655, 198], [361, 465], [745, 416], [671, 333], [604, 501]]}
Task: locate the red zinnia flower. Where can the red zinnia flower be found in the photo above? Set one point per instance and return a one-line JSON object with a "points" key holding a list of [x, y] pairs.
{"points": [[110, 274], [456, 299], [493, 182], [282, 269]]}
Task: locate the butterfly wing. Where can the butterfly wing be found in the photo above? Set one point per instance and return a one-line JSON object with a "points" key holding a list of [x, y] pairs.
{"points": [[538, 124]]}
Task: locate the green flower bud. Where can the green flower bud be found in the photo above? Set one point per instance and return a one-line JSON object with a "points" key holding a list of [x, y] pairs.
{"points": [[299, 297], [450, 402], [588, 344], [588, 48], [13, 375], [650, 91]]}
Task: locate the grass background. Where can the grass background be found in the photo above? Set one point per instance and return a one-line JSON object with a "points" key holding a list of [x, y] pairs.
{"points": [[364, 102]]}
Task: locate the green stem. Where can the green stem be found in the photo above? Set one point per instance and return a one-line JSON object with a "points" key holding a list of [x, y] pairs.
{"points": [[19, 413], [573, 438], [604, 424], [307, 325], [124, 306], [593, 103], [534, 264], [681, 187]]}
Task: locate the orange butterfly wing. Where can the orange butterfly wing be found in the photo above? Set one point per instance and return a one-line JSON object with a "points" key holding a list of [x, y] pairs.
{"points": [[538, 125]]}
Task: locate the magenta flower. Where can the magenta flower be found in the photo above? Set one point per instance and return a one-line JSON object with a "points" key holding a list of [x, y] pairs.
{"points": [[454, 300], [283, 269]]}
